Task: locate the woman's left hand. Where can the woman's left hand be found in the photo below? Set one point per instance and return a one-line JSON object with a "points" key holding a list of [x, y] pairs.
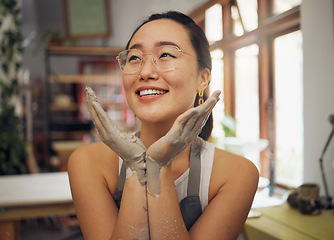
{"points": [[183, 132]]}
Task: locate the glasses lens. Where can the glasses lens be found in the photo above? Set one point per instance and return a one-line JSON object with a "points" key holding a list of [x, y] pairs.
{"points": [[130, 60], [166, 57]]}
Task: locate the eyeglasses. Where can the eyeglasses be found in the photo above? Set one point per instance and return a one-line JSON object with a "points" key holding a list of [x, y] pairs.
{"points": [[164, 58]]}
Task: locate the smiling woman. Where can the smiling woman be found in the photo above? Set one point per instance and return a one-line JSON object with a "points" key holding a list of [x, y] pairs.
{"points": [[163, 182]]}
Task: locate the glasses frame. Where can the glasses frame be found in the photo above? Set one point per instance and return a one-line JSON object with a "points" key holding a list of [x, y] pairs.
{"points": [[153, 60]]}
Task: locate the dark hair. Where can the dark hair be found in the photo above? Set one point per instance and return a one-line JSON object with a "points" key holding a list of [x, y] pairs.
{"points": [[200, 44], [207, 128]]}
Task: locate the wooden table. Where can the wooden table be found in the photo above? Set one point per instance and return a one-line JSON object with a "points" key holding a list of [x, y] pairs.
{"points": [[32, 196], [284, 222]]}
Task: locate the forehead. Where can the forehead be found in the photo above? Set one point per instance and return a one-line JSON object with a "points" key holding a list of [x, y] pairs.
{"points": [[162, 30]]}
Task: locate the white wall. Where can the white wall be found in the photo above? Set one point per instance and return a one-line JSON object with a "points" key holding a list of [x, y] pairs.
{"points": [[318, 36], [126, 15]]}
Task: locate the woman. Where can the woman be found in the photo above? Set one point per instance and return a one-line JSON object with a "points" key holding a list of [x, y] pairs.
{"points": [[168, 184]]}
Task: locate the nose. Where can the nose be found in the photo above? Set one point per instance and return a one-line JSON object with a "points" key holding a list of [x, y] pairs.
{"points": [[148, 69]]}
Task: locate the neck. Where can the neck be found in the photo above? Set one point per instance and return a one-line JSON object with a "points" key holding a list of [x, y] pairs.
{"points": [[151, 132]]}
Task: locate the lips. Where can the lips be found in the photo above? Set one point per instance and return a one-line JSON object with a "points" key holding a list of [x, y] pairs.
{"points": [[151, 92]]}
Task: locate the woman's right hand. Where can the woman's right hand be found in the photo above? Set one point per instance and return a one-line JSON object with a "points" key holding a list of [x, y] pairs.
{"points": [[129, 147]]}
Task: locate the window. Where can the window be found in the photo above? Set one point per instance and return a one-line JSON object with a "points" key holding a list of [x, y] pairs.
{"points": [[288, 110], [281, 6], [261, 68], [214, 23], [248, 13], [247, 99], [217, 83]]}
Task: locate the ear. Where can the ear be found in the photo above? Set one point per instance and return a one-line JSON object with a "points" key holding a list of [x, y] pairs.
{"points": [[204, 79]]}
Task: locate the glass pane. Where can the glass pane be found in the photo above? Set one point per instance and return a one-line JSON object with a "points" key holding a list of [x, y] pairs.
{"points": [[248, 12], [289, 108], [214, 23], [281, 6], [247, 100], [238, 29], [217, 83]]}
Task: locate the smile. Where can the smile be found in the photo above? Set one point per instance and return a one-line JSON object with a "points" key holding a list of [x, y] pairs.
{"points": [[151, 92]]}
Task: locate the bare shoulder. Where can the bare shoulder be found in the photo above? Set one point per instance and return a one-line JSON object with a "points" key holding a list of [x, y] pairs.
{"points": [[233, 184], [94, 161], [233, 170]]}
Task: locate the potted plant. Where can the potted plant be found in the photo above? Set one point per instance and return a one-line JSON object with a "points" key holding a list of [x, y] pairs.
{"points": [[13, 147], [47, 38]]}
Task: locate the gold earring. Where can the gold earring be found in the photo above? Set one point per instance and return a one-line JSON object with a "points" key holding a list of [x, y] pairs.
{"points": [[200, 100]]}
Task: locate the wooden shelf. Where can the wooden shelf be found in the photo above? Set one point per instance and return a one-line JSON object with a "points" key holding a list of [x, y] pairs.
{"points": [[64, 135], [93, 51], [84, 79], [64, 107]]}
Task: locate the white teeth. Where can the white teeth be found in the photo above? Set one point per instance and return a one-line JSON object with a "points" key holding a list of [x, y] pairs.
{"points": [[151, 92]]}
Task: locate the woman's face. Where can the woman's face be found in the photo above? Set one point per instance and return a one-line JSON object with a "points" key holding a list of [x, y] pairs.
{"points": [[175, 90]]}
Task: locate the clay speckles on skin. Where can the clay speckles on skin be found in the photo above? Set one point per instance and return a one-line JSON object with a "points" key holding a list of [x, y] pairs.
{"points": [[171, 229], [140, 234]]}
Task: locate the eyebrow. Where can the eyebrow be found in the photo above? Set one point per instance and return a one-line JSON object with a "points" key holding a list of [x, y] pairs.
{"points": [[158, 44]]}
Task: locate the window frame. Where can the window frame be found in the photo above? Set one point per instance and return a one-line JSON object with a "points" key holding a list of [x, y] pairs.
{"points": [[269, 27]]}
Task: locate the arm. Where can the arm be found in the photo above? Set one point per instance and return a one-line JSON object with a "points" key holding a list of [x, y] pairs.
{"points": [[93, 174], [129, 147], [165, 217], [183, 132], [93, 191], [233, 184], [232, 187], [132, 221]]}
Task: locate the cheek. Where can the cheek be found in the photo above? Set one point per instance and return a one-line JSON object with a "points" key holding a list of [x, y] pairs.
{"points": [[183, 86], [125, 81], [182, 77], [128, 81]]}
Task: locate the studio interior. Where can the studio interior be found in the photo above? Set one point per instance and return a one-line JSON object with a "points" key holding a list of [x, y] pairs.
{"points": [[273, 61]]}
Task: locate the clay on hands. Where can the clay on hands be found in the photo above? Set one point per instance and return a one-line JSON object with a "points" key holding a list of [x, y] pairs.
{"points": [[129, 147], [183, 132]]}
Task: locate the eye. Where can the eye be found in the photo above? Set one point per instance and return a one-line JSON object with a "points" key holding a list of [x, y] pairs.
{"points": [[133, 58], [167, 53]]}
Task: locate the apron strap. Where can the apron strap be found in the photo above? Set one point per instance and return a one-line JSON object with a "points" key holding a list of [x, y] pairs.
{"points": [[195, 170], [121, 178]]}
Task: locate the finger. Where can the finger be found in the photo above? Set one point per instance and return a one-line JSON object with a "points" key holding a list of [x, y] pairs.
{"points": [[191, 121], [204, 117], [94, 116], [183, 120], [90, 94], [90, 97], [106, 122], [202, 114]]}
